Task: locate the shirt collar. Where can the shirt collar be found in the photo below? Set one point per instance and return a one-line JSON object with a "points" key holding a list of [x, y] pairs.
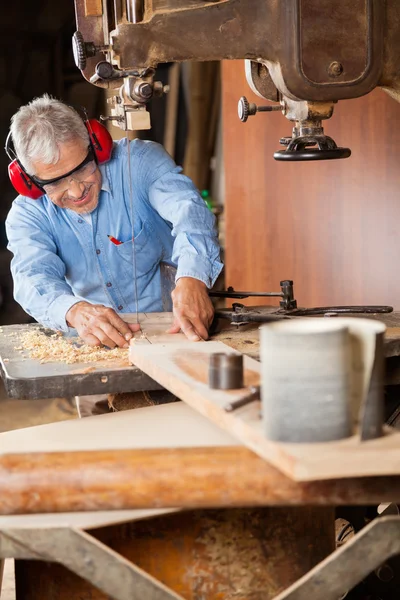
{"points": [[105, 184]]}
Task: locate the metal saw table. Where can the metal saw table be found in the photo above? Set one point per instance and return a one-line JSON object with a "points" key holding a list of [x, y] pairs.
{"points": [[26, 378]]}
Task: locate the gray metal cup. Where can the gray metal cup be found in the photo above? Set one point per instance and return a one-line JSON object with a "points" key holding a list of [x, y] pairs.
{"points": [[322, 380], [306, 380]]}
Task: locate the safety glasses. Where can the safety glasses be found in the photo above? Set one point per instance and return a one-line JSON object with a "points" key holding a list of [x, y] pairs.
{"points": [[80, 173]]}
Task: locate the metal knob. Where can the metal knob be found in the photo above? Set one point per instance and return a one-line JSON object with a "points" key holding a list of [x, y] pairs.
{"points": [[83, 50], [248, 109], [104, 70]]}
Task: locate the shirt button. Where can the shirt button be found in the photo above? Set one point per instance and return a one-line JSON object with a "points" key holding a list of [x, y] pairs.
{"points": [[109, 284], [120, 307], [80, 220], [98, 251]]}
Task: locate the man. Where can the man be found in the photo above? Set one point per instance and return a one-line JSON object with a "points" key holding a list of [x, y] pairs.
{"points": [[73, 258], [73, 251]]}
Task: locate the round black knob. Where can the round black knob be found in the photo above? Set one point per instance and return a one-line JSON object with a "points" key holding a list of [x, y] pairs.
{"points": [[104, 69], [82, 50]]}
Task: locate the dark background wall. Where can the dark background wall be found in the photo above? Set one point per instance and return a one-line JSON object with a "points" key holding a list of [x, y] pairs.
{"points": [[35, 57], [331, 226]]}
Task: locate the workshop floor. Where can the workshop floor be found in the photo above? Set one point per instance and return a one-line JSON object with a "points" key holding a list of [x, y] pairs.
{"points": [[18, 414]]}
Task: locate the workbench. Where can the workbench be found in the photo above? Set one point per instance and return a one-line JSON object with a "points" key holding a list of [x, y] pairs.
{"points": [[185, 512], [25, 378], [243, 531]]}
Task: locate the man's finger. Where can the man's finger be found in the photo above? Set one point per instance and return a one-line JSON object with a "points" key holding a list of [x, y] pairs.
{"points": [[188, 329], [90, 339], [175, 328], [118, 324], [134, 327], [200, 328], [113, 334], [103, 337]]}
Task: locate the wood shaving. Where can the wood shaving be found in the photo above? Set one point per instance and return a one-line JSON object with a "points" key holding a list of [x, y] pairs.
{"points": [[57, 348]]}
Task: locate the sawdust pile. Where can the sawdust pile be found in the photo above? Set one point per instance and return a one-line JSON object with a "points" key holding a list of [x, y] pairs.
{"points": [[57, 348]]}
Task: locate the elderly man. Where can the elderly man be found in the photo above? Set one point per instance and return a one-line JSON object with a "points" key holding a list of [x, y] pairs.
{"points": [[72, 247]]}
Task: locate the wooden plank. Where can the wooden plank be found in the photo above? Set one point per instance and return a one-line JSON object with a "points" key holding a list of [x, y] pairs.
{"points": [[159, 457], [162, 462], [154, 329], [80, 520], [165, 426], [183, 369]]}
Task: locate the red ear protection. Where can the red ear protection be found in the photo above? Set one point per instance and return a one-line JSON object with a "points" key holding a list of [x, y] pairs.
{"points": [[21, 181], [100, 140]]}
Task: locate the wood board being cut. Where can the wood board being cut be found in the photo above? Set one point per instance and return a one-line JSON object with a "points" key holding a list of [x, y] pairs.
{"points": [[182, 368]]}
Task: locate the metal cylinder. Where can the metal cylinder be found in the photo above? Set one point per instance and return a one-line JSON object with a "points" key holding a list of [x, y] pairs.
{"points": [[225, 371], [322, 379], [306, 380], [135, 10], [288, 302]]}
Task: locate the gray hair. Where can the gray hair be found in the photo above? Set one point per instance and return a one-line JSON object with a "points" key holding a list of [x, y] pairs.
{"points": [[38, 129]]}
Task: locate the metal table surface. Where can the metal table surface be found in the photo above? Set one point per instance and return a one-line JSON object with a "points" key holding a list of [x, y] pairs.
{"points": [[27, 378]]}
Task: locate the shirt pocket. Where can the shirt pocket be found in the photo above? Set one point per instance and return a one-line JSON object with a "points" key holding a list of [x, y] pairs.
{"points": [[148, 251]]}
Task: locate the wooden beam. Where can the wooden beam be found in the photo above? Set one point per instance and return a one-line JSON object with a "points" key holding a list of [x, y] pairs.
{"points": [[161, 478], [171, 115]]}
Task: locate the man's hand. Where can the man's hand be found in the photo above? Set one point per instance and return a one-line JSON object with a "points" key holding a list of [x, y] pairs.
{"points": [[98, 325], [193, 309]]}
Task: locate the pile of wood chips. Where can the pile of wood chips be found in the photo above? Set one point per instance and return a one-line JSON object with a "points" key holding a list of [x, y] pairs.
{"points": [[57, 348]]}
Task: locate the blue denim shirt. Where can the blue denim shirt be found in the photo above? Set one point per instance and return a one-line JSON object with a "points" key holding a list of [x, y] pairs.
{"points": [[61, 257]]}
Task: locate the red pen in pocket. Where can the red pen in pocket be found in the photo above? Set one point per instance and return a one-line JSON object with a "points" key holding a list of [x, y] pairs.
{"points": [[114, 240]]}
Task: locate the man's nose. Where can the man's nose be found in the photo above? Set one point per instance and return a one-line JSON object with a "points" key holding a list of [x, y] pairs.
{"points": [[75, 188]]}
